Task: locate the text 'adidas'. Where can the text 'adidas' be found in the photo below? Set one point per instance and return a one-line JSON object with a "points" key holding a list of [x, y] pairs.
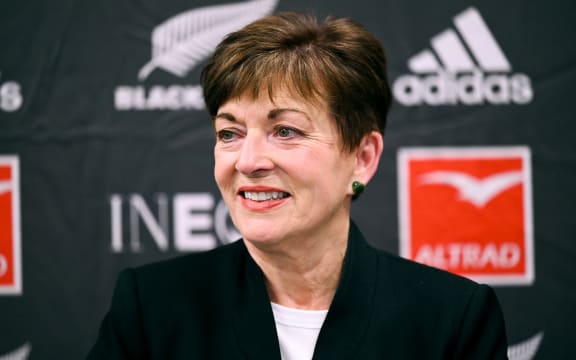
{"points": [[465, 66]]}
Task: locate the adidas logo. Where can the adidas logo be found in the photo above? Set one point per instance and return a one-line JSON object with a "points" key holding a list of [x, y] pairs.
{"points": [[465, 66]]}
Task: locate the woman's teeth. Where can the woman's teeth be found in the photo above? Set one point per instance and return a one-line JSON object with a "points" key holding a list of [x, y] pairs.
{"points": [[263, 196]]}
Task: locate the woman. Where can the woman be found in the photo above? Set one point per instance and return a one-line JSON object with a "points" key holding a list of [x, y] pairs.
{"points": [[299, 112]]}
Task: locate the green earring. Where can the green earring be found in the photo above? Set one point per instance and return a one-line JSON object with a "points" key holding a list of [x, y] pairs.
{"points": [[357, 188]]}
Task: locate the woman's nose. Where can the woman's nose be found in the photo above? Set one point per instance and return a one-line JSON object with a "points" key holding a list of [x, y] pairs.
{"points": [[254, 156]]}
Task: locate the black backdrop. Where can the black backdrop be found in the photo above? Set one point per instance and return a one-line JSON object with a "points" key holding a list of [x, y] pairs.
{"points": [[106, 162]]}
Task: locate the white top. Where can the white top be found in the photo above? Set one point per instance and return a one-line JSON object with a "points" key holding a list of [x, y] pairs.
{"points": [[297, 331]]}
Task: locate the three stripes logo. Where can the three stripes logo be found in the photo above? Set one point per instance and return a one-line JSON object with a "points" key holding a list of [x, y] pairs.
{"points": [[465, 66]]}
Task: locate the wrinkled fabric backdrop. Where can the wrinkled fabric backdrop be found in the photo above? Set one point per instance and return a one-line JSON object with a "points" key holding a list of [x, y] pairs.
{"points": [[106, 154]]}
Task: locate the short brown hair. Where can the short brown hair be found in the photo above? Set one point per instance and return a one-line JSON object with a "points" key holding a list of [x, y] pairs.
{"points": [[338, 62]]}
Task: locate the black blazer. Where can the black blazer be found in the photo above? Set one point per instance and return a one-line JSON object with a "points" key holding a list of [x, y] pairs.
{"points": [[214, 305]]}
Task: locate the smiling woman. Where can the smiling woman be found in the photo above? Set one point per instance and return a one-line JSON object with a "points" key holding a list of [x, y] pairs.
{"points": [[299, 111], [288, 146]]}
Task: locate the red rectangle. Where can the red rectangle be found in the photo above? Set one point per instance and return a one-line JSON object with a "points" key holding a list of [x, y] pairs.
{"points": [[10, 246], [468, 211]]}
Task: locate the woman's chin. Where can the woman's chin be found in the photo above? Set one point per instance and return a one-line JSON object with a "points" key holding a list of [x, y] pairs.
{"points": [[261, 228], [261, 238]]}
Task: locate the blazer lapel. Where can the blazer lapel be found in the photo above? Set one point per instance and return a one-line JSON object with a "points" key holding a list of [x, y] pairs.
{"points": [[350, 312], [347, 320], [253, 318]]}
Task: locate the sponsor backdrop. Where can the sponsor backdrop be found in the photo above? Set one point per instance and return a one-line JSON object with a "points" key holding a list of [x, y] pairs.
{"points": [[106, 154]]}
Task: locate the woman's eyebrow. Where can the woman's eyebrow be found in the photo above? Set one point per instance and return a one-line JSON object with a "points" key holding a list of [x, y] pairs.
{"points": [[225, 116], [274, 113]]}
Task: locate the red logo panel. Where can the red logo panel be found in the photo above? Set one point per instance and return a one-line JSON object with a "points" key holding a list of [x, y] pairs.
{"points": [[10, 250], [468, 211]]}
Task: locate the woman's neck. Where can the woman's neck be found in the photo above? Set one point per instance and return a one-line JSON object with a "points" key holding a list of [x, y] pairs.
{"points": [[303, 273]]}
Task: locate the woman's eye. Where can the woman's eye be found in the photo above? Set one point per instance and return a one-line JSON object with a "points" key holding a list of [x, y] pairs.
{"points": [[287, 132], [225, 135]]}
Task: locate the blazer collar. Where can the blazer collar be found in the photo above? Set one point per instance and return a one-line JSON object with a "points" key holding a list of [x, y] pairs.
{"points": [[347, 320], [253, 318], [350, 312]]}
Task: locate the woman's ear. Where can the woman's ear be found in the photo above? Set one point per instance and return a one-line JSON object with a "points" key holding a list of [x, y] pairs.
{"points": [[368, 156]]}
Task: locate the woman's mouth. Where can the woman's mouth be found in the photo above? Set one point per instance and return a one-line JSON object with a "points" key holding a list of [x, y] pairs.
{"points": [[264, 195]]}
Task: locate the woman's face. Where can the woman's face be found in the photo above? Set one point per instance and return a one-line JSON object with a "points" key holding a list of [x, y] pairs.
{"points": [[281, 170]]}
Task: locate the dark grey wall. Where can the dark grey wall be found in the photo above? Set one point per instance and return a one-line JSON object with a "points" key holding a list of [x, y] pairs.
{"points": [[115, 156]]}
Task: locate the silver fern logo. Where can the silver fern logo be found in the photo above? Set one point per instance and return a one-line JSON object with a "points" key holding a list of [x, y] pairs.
{"points": [[179, 45], [182, 42], [527, 349], [21, 353]]}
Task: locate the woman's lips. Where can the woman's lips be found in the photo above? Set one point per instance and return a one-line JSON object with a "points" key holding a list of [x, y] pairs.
{"points": [[262, 197]]}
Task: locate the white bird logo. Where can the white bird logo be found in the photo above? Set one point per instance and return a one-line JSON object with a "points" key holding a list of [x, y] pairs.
{"points": [[183, 41], [20, 353], [5, 186], [476, 191]]}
